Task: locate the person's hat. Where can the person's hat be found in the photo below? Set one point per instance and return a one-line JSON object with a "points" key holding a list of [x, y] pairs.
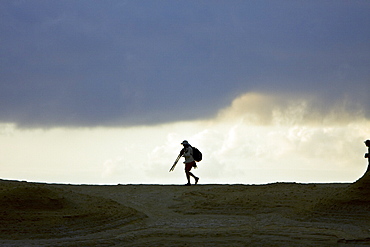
{"points": [[185, 142]]}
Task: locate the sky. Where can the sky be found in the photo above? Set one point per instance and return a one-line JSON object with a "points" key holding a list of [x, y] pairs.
{"points": [[104, 92]]}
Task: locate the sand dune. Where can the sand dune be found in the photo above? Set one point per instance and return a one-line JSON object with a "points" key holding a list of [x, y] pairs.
{"points": [[280, 214]]}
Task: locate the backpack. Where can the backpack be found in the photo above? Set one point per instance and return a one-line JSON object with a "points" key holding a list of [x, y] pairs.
{"points": [[197, 155]]}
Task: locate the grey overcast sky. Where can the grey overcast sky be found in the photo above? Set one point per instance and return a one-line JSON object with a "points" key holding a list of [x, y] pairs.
{"points": [[118, 63]]}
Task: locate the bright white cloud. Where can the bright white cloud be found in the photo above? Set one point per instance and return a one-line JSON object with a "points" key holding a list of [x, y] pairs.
{"points": [[258, 139]]}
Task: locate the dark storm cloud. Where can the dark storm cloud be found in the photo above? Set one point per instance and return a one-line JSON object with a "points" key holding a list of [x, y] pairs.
{"points": [[88, 63]]}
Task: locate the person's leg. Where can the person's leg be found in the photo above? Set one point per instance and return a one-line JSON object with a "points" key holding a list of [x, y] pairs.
{"points": [[188, 176], [188, 167], [195, 177]]}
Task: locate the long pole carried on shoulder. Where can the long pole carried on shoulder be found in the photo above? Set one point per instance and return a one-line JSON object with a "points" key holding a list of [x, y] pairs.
{"points": [[174, 164]]}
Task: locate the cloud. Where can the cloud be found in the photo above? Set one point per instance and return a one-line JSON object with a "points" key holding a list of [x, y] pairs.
{"points": [[97, 92], [89, 64], [259, 138], [289, 135], [288, 109]]}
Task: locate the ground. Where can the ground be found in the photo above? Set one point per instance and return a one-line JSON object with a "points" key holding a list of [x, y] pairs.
{"points": [[279, 214]]}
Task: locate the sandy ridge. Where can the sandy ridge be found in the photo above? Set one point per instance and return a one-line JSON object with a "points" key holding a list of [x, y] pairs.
{"points": [[168, 215]]}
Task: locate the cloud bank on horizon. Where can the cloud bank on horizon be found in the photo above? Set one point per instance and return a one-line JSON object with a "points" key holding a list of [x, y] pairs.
{"points": [[258, 139], [122, 63]]}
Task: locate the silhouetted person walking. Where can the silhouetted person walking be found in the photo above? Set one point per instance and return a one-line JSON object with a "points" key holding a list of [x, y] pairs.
{"points": [[367, 155], [187, 153]]}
